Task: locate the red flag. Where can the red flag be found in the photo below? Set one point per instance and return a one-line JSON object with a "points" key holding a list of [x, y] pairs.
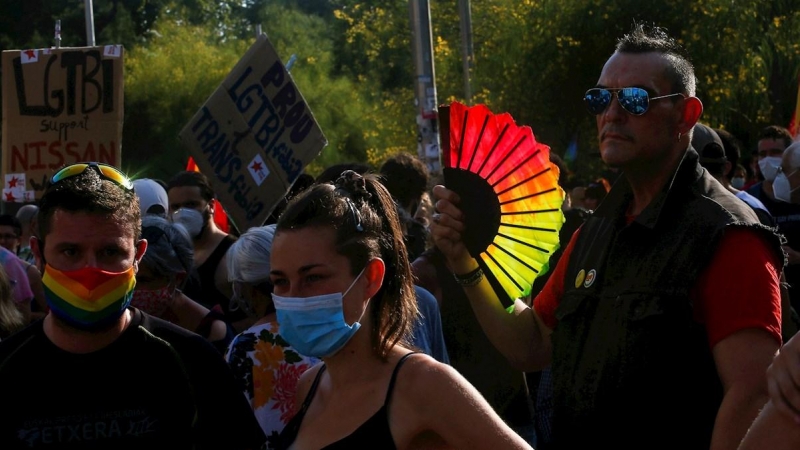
{"points": [[794, 126], [220, 217]]}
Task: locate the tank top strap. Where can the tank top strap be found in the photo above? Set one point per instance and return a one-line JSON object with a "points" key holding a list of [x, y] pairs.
{"points": [[394, 377], [311, 392]]}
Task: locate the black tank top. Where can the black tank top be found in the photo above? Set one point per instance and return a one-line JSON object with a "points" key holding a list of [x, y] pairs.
{"points": [[207, 293], [374, 433]]}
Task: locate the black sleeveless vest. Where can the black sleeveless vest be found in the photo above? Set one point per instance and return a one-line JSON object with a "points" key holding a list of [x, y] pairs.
{"points": [[631, 366]]}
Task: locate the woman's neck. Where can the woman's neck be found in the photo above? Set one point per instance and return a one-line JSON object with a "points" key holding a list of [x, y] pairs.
{"points": [[351, 364]]}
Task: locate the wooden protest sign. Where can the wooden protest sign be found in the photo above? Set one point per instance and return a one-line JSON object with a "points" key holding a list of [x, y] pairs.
{"points": [[60, 106], [254, 136]]}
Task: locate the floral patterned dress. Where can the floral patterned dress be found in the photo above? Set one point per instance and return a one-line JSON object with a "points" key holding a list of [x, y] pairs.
{"points": [[268, 369]]}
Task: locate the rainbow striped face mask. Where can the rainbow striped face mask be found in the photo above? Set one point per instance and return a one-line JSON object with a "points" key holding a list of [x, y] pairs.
{"points": [[88, 298]]}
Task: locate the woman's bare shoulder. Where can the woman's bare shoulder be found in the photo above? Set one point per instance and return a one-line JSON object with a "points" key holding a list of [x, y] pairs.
{"points": [[306, 380], [423, 376]]}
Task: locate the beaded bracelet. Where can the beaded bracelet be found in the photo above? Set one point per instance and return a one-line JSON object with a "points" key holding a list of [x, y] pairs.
{"points": [[469, 279]]}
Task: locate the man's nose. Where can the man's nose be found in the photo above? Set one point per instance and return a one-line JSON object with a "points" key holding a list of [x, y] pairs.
{"points": [[90, 260], [614, 112]]}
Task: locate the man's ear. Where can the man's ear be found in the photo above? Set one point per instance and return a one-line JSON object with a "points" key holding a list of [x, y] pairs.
{"points": [[374, 273], [692, 110], [141, 247]]}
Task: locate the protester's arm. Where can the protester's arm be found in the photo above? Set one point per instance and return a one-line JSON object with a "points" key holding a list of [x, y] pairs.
{"points": [[772, 430], [520, 336], [783, 380], [741, 361], [434, 397], [742, 316]]}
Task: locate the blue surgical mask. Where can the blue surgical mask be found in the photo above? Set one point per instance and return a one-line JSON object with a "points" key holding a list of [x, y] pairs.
{"points": [[737, 182], [315, 326]]}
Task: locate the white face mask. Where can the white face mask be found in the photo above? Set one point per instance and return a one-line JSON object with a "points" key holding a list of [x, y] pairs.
{"points": [[769, 167], [782, 189], [191, 219]]}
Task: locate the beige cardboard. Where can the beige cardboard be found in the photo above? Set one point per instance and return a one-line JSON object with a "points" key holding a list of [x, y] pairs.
{"points": [[254, 136], [60, 106]]}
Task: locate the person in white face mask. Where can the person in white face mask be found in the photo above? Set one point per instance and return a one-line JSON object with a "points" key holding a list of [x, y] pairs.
{"points": [[787, 182], [776, 427], [773, 193], [192, 204], [718, 163], [772, 141]]}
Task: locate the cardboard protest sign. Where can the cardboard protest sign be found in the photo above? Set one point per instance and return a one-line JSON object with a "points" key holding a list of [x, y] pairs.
{"points": [[60, 106], [254, 136]]}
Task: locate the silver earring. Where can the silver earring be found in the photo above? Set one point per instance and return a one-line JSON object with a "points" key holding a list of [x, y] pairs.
{"points": [[679, 136]]}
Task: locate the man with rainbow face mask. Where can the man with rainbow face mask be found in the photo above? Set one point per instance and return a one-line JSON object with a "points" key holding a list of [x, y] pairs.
{"points": [[117, 377]]}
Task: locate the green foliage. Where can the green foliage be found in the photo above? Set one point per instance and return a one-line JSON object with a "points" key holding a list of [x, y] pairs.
{"points": [[748, 78], [334, 99], [354, 66], [31, 23], [166, 81], [536, 58]]}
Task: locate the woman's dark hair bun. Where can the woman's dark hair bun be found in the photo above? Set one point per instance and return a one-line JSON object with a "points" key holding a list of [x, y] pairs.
{"points": [[351, 184]]}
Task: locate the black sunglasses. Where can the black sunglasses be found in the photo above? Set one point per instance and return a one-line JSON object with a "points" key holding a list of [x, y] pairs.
{"points": [[634, 100]]}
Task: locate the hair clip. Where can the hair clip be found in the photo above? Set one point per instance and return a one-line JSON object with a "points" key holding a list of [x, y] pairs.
{"points": [[356, 214]]}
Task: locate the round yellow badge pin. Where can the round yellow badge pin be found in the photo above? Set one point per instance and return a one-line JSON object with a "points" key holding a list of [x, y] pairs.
{"points": [[579, 278]]}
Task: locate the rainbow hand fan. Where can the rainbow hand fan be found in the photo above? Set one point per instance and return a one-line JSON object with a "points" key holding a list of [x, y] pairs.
{"points": [[509, 193]]}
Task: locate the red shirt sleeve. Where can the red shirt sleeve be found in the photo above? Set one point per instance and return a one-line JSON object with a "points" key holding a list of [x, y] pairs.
{"points": [[740, 288], [546, 302], [724, 302]]}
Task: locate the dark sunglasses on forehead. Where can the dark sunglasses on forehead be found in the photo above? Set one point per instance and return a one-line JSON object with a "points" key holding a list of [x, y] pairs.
{"points": [[634, 100], [105, 171]]}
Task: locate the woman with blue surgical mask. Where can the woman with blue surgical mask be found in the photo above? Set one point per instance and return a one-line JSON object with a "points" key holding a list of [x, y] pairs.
{"points": [[343, 292]]}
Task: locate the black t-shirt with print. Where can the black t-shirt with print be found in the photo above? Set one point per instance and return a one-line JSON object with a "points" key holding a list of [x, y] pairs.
{"points": [[156, 385]]}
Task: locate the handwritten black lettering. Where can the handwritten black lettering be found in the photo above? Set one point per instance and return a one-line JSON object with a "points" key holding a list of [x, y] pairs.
{"points": [[300, 132], [62, 127], [284, 99], [274, 75], [269, 123], [96, 78], [226, 164]]}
